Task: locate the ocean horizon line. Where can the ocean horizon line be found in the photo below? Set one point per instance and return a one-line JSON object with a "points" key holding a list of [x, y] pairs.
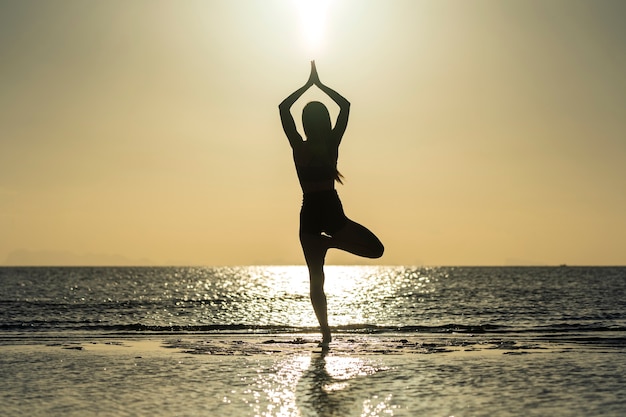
{"points": [[408, 265]]}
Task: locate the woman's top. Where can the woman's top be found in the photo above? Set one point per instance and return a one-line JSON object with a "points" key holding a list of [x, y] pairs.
{"points": [[316, 166], [316, 172]]}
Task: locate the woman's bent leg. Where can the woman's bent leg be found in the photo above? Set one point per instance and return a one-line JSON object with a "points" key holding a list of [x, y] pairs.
{"points": [[358, 240], [315, 248]]}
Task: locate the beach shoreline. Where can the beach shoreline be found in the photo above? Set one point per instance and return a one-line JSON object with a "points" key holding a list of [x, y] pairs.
{"points": [[288, 344], [289, 375]]}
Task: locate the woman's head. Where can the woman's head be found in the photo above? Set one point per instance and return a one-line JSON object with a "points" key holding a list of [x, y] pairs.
{"points": [[316, 120]]}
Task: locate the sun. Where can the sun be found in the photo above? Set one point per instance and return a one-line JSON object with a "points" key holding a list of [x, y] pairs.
{"points": [[313, 15]]}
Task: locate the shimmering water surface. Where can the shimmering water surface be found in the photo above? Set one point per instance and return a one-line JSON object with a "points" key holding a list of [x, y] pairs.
{"points": [[275, 299], [242, 342]]}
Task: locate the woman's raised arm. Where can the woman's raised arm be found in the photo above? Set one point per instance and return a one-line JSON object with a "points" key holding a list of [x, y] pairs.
{"points": [[289, 125], [344, 105]]}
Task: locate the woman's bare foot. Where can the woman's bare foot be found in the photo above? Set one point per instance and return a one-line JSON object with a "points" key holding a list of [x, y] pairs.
{"points": [[326, 338]]}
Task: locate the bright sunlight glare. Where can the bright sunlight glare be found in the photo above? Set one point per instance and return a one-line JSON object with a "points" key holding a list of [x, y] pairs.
{"points": [[313, 14]]}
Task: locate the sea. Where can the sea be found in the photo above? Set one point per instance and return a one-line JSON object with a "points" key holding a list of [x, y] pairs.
{"points": [[436, 341]]}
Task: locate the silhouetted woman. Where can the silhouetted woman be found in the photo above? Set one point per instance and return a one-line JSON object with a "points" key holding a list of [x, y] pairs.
{"points": [[323, 224]]}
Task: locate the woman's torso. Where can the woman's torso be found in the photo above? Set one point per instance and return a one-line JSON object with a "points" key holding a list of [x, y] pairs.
{"points": [[316, 165]]}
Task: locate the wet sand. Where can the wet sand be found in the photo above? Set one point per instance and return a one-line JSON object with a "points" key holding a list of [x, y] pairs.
{"points": [[289, 375]]}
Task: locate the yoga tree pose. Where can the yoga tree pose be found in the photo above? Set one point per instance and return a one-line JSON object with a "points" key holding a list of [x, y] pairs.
{"points": [[323, 224]]}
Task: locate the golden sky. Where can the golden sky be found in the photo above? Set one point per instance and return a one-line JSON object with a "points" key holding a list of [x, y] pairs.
{"points": [[482, 132]]}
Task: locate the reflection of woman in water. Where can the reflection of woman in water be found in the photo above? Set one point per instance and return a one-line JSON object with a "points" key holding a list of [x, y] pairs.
{"points": [[323, 224]]}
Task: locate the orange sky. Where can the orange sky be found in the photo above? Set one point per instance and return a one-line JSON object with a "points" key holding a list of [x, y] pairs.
{"points": [[147, 132]]}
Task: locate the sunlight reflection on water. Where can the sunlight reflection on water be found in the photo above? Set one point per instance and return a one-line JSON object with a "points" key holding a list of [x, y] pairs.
{"points": [[318, 385], [356, 294], [279, 295]]}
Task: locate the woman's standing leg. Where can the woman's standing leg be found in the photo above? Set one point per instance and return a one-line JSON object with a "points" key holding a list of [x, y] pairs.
{"points": [[315, 248]]}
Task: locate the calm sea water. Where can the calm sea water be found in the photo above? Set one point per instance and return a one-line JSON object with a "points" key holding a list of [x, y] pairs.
{"points": [[569, 301], [409, 341]]}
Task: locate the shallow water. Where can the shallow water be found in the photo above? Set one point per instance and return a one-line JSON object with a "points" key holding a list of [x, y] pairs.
{"points": [[255, 378]]}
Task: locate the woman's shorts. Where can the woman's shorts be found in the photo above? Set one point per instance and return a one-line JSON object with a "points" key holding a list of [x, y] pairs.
{"points": [[322, 212]]}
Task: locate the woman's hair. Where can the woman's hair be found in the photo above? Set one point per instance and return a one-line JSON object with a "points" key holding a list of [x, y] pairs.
{"points": [[316, 119], [316, 123]]}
